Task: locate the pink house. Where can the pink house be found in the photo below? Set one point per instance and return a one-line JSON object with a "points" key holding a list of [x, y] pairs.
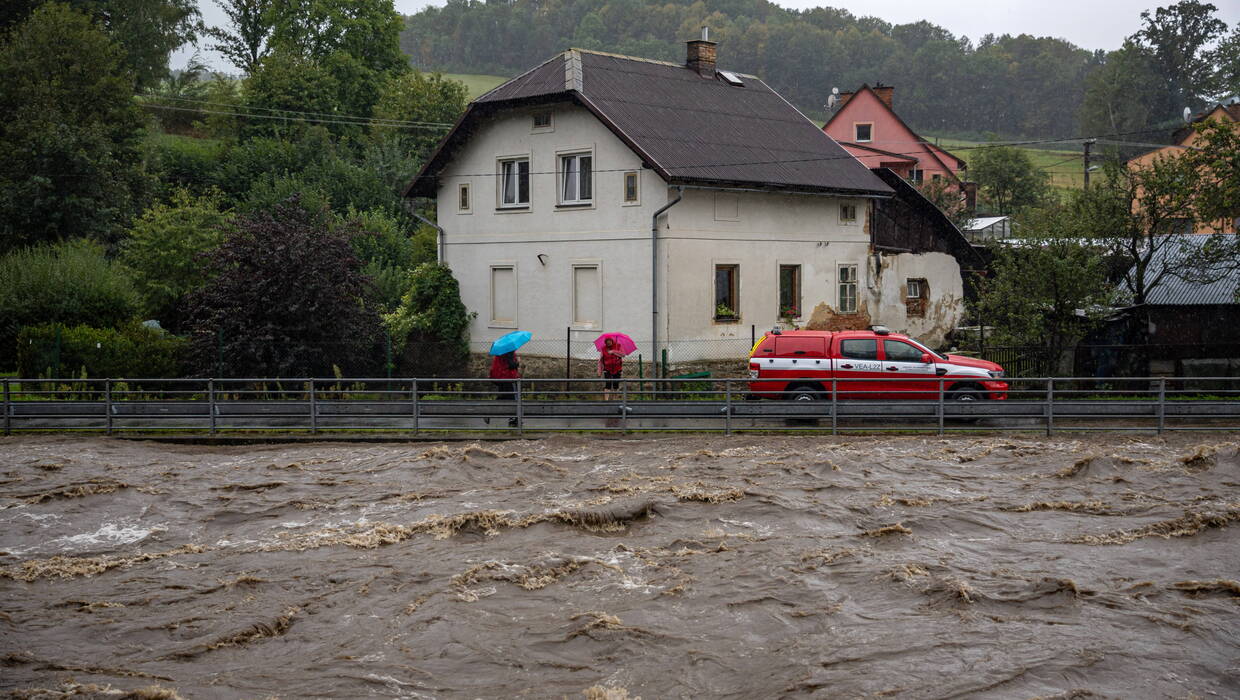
{"points": [[867, 127]]}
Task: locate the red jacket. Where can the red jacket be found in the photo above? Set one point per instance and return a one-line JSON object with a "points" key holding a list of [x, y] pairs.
{"points": [[504, 367]]}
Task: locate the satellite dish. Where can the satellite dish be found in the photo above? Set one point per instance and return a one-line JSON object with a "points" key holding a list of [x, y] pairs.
{"points": [[833, 98], [1188, 114]]}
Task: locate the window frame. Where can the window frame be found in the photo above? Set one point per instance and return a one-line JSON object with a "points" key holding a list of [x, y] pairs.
{"points": [[857, 136], [840, 288], [916, 175], [624, 188], [464, 198], [734, 291], [535, 128], [597, 266], [796, 292], [900, 343], [501, 178], [844, 353], [845, 220], [561, 177], [505, 323]]}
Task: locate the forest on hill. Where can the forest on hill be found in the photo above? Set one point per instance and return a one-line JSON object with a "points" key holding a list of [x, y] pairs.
{"points": [[1014, 86]]}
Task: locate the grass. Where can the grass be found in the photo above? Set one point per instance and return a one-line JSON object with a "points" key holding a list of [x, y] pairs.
{"points": [[1064, 166], [476, 84]]}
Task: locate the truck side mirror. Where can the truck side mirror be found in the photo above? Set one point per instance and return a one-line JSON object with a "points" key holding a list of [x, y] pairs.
{"points": [[925, 358]]}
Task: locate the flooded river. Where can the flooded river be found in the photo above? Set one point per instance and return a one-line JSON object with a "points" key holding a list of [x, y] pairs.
{"points": [[581, 567]]}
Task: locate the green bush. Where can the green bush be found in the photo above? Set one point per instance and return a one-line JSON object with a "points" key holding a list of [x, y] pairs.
{"points": [[70, 283], [187, 163], [132, 351], [430, 328]]}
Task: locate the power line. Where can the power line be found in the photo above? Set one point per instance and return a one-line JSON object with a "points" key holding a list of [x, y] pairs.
{"points": [[198, 110], [814, 159], [331, 115]]}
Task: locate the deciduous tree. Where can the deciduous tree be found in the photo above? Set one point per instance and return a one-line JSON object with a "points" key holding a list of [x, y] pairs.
{"points": [[286, 297], [1007, 179]]}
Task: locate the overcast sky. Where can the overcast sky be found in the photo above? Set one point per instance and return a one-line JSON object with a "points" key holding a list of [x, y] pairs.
{"points": [[1090, 24]]}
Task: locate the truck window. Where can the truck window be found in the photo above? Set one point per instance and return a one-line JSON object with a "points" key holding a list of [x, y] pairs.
{"points": [[898, 351], [787, 345], [859, 348]]}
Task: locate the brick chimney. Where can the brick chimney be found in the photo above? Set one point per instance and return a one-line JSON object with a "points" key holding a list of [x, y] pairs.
{"points": [[701, 56], [884, 93]]}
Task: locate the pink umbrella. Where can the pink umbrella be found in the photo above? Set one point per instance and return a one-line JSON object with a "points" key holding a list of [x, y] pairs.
{"points": [[623, 342]]}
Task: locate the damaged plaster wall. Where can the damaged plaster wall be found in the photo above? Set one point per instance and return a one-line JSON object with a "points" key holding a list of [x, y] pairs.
{"points": [[943, 303]]}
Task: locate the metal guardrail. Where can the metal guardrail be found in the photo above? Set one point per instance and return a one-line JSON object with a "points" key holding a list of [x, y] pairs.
{"points": [[325, 406]]}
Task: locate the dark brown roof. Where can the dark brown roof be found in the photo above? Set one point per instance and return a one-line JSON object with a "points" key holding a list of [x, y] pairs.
{"points": [[689, 129]]}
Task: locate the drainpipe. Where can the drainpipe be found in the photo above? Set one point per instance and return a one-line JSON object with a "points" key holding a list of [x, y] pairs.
{"points": [[654, 274], [439, 239]]}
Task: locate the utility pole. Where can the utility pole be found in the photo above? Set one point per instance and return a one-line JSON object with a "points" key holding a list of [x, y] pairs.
{"points": [[1089, 143]]}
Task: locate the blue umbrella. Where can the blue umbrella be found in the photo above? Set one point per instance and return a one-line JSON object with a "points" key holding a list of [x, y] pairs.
{"points": [[509, 342]]}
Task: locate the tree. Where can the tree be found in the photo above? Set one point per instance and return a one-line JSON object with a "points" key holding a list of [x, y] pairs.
{"points": [[430, 328], [286, 297], [70, 131], [1049, 289], [1179, 38], [946, 195], [387, 252], [70, 283], [164, 252], [1007, 179], [368, 30], [247, 40], [1124, 95], [146, 30], [415, 96], [284, 90]]}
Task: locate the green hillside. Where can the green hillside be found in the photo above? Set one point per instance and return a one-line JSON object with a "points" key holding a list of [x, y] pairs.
{"points": [[1064, 166], [476, 84]]}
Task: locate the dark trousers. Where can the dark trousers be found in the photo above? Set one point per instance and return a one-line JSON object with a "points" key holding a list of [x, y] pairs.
{"points": [[505, 390]]}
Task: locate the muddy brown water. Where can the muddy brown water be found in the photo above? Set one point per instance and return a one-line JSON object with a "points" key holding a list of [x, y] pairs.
{"points": [[916, 567]]}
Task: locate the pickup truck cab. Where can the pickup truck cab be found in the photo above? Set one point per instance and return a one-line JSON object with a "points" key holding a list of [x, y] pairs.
{"points": [[873, 364]]}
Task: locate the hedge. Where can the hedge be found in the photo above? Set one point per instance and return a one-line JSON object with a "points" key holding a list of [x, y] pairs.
{"points": [[130, 351]]}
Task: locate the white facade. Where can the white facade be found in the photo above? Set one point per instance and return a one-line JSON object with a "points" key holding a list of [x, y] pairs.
{"points": [[546, 267]]}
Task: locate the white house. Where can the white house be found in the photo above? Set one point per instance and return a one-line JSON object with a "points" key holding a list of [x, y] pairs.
{"points": [[671, 202]]}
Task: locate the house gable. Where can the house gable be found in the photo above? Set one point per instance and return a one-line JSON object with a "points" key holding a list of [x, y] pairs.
{"points": [[888, 132]]}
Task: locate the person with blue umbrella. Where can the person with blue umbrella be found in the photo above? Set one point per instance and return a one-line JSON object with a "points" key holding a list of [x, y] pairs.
{"points": [[505, 369]]}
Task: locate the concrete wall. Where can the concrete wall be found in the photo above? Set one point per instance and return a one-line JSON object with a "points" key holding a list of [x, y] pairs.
{"points": [[757, 231]]}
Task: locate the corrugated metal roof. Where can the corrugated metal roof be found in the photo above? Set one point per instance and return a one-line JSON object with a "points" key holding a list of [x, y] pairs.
{"points": [[690, 129], [1175, 291], [982, 222]]}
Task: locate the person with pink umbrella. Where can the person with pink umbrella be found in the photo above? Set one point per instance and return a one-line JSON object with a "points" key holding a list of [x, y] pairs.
{"points": [[612, 348]]}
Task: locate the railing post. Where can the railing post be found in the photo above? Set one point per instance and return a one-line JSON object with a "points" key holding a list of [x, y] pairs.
{"points": [[835, 406], [624, 406], [940, 405], [8, 409], [1162, 404], [314, 410], [727, 407], [1050, 406], [107, 403], [417, 409], [211, 402], [520, 412]]}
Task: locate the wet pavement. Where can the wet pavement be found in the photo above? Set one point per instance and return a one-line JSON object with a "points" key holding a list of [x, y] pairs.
{"points": [[686, 566]]}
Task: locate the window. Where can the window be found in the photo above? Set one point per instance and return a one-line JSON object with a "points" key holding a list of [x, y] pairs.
{"points": [[936, 176], [916, 175], [587, 296], [848, 289], [630, 188], [789, 291], [726, 305], [514, 177], [863, 132], [898, 351], [503, 295], [542, 121], [913, 288], [1181, 226], [859, 348], [576, 179], [848, 213], [462, 198]]}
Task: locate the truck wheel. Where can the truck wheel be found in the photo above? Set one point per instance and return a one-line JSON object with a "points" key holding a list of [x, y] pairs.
{"points": [[804, 392], [966, 393]]}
